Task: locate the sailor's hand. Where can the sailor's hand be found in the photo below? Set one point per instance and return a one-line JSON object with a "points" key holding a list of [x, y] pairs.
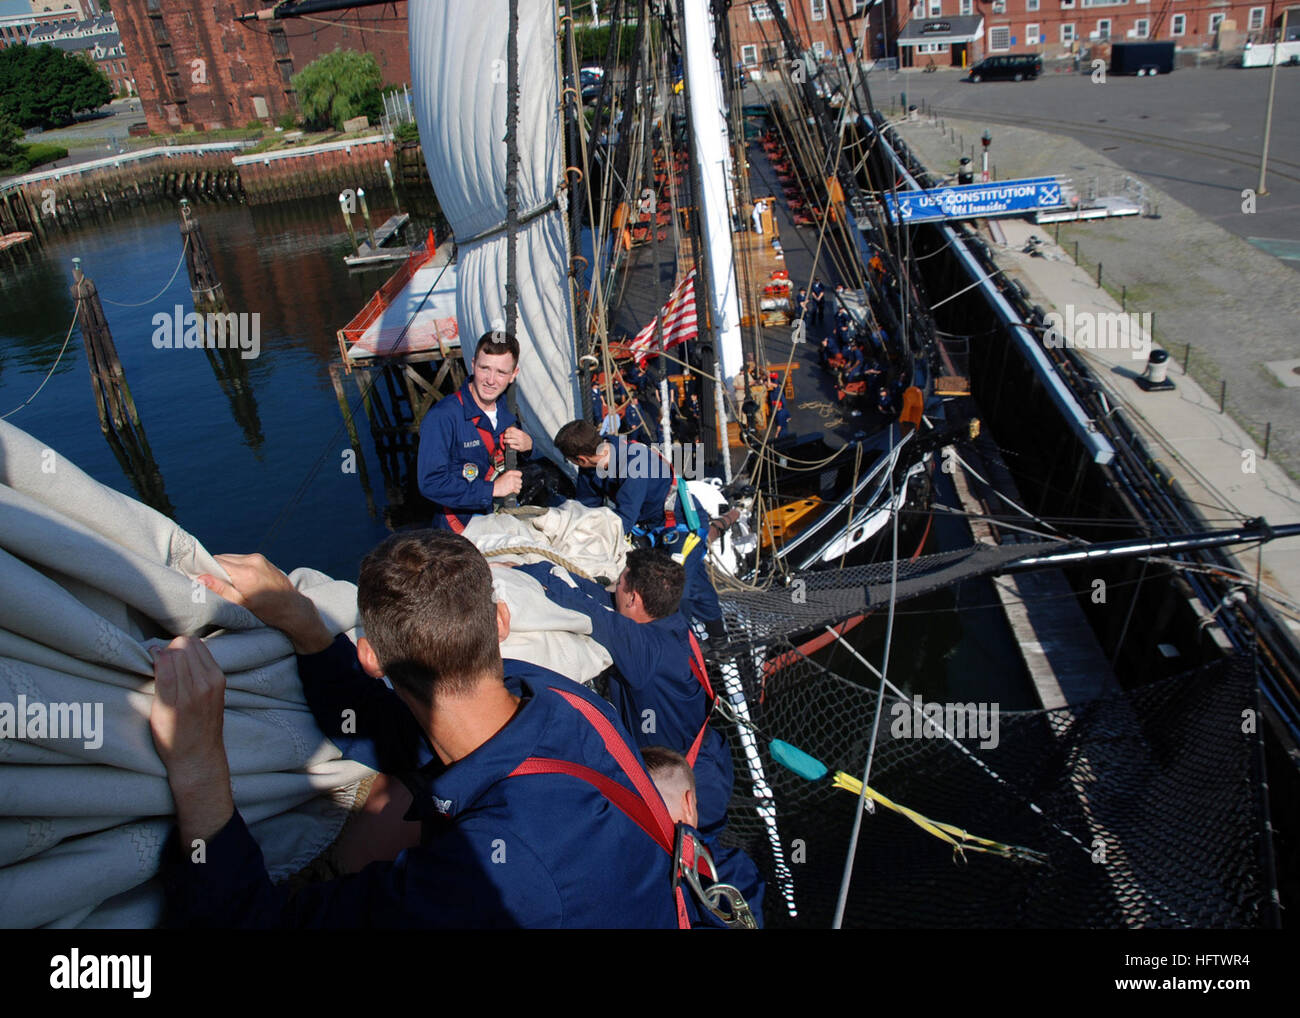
{"points": [[186, 716], [270, 595], [186, 719], [517, 439], [508, 483]]}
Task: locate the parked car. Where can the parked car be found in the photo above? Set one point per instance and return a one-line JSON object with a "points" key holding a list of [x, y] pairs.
{"points": [[591, 80], [1008, 67]]}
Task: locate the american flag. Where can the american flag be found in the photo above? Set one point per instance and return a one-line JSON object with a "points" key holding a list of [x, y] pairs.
{"points": [[679, 321]]}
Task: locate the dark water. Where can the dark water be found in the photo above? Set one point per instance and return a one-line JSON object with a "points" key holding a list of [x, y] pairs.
{"points": [[262, 472]]}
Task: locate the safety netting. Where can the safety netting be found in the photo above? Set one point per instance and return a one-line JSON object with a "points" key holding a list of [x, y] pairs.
{"points": [[1144, 809]]}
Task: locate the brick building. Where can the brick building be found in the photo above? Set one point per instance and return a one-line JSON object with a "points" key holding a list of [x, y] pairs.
{"points": [[98, 39], [959, 32], [197, 68], [19, 19]]}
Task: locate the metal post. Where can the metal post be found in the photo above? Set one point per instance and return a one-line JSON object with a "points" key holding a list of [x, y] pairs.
{"points": [[1076, 252], [1123, 295], [1268, 116], [1187, 354], [1223, 394], [1268, 433], [1099, 273]]}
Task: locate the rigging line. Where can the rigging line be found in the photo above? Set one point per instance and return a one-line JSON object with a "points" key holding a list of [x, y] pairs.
{"points": [[338, 23], [842, 902], [175, 272], [1020, 509], [49, 374]]}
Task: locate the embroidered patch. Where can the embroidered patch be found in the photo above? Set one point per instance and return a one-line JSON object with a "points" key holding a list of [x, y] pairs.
{"points": [[470, 471]]}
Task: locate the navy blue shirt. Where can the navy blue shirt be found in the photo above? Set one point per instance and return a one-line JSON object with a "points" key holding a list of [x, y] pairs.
{"points": [[638, 500], [497, 851], [652, 662], [453, 461]]}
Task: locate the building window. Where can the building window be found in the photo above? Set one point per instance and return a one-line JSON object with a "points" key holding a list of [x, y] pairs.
{"points": [[918, 9], [1178, 25], [1031, 5], [1215, 21], [932, 47], [967, 7], [819, 50], [1067, 33], [1031, 34], [999, 38], [758, 11], [1142, 28], [749, 54], [1256, 19], [1103, 28], [818, 10], [936, 8]]}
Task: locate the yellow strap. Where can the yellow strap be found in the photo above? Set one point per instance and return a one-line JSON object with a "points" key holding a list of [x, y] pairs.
{"points": [[959, 839]]}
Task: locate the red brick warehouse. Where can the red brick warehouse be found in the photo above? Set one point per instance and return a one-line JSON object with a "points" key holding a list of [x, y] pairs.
{"points": [[197, 68]]}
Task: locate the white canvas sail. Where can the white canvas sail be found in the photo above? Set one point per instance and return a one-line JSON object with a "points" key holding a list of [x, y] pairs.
{"points": [[459, 69]]}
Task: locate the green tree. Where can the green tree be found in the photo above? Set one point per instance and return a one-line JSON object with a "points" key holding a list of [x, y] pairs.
{"points": [[339, 86], [10, 151], [43, 86]]}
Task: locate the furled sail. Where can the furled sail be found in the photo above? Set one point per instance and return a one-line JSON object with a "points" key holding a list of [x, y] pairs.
{"points": [[460, 74], [89, 580]]}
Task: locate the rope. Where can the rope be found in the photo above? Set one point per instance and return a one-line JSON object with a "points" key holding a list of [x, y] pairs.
{"points": [[71, 325], [545, 553], [175, 272]]}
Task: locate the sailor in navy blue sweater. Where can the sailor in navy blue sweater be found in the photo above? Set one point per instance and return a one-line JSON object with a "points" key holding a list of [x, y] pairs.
{"points": [[638, 481], [674, 778], [653, 688], [499, 848], [461, 464]]}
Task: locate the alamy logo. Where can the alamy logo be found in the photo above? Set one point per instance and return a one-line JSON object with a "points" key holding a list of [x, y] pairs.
{"points": [[74, 971], [634, 460], [39, 720], [920, 720], [214, 330], [1099, 330]]}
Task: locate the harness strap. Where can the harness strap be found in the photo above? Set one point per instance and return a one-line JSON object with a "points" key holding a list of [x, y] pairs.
{"points": [[702, 675], [495, 455], [644, 807], [670, 518]]}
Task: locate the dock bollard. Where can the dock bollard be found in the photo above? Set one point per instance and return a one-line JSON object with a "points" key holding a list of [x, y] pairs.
{"points": [[1156, 376]]}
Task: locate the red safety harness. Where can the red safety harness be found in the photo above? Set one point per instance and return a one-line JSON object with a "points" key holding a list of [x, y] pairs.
{"points": [[644, 807], [670, 518], [698, 670], [496, 454]]}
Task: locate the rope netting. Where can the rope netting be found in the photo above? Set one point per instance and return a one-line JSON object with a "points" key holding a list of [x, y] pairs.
{"points": [[1147, 807]]}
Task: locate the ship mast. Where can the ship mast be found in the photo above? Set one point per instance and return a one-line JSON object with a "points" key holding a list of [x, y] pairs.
{"points": [[715, 197]]}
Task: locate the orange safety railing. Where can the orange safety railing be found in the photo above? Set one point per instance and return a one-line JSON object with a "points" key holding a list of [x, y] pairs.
{"points": [[382, 299]]}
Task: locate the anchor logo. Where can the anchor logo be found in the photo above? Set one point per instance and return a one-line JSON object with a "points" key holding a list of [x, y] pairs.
{"points": [[1050, 195]]}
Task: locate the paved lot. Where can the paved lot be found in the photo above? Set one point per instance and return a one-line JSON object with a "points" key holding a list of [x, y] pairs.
{"points": [[1195, 134], [1237, 306], [94, 137]]}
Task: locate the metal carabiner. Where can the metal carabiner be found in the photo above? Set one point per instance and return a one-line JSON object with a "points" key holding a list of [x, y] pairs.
{"points": [[738, 915]]}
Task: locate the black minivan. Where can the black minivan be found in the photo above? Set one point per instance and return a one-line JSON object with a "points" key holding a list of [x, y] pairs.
{"points": [[1008, 67]]}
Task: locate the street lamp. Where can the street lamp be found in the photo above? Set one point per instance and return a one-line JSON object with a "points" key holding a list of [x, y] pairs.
{"points": [[986, 139]]}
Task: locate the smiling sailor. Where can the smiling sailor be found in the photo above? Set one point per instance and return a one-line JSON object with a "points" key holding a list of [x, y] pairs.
{"points": [[463, 439]]}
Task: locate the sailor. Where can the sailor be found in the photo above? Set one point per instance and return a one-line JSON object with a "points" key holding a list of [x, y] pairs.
{"points": [[463, 439], [818, 294], [493, 852], [597, 404], [884, 402], [780, 422], [659, 685], [642, 485], [640, 426], [760, 207], [675, 780], [802, 307]]}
